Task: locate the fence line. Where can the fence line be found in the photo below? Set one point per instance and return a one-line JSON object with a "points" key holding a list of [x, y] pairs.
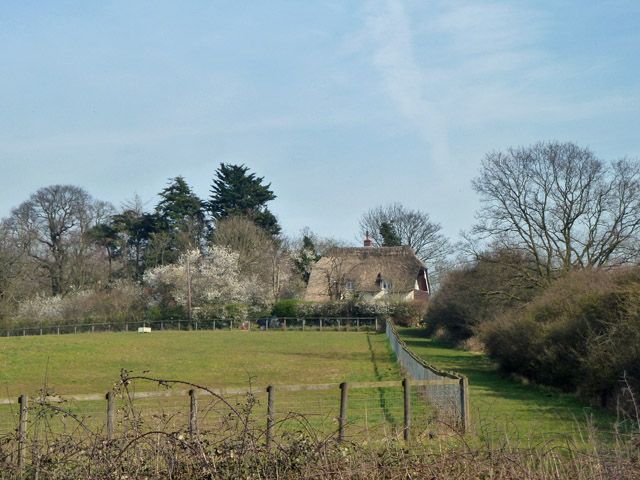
{"points": [[344, 410], [267, 323], [448, 392]]}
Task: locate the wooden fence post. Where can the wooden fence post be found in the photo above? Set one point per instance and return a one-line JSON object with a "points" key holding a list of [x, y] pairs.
{"points": [[23, 400], [344, 390], [110, 414], [407, 409], [303, 324], [270, 414], [193, 413], [376, 324], [464, 403]]}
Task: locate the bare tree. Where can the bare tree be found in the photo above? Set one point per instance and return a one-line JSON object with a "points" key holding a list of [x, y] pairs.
{"points": [[560, 204], [414, 228], [50, 228]]}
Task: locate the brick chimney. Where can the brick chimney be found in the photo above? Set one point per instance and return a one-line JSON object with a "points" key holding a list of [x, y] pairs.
{"points": [[367, 241]]}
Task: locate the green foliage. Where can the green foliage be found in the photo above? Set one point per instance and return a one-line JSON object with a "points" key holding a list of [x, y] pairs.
{"points": [[286, 308], [305, 257], [180, 216], [389, 236], [237, 192]]}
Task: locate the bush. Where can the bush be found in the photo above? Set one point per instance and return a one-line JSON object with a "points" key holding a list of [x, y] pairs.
{"points": [[470, 296], [582, 334], [285, 308]]}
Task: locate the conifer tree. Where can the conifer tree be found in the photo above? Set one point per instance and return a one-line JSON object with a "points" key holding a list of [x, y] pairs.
{"points": [[235, 191]]}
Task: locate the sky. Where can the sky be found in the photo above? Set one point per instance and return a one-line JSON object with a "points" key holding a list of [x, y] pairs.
{"points": [[341, 105]]}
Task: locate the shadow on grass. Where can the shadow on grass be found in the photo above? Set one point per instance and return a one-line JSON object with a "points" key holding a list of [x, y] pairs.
{"points": [[495, 395]]}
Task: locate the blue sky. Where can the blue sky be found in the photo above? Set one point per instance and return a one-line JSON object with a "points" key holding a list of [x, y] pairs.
{"points": [[341, 105]]}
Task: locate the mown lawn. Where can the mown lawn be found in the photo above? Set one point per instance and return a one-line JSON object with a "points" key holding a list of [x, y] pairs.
{"points": [[502, 408], [91, 363]]}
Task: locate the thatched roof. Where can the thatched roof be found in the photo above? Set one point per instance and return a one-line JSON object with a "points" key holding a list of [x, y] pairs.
{"points": [[363, 268]]}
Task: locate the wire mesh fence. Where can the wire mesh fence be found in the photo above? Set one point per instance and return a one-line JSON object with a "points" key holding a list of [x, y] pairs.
{"points": [[266, 323], [447, 392]]}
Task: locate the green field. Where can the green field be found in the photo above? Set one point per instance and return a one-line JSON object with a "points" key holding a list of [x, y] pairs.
{"points": [[502, 408], [91, 363]]}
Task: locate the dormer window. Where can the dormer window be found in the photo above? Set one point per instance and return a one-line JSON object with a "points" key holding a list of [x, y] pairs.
{"points": [[350, 285], [382, 283]]}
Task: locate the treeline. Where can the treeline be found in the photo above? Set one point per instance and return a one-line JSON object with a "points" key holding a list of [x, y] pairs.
{"points": [[550, 285], [66, 257]]}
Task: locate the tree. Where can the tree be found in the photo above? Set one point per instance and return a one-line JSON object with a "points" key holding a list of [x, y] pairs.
{"points": [[51, 226], [305, 256], [389, 236], [413, 228], [206, 280], [236, 192], [180, 215], [560, 204], [262, 259]]}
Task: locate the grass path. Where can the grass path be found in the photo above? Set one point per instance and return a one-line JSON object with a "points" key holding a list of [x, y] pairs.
{"points": [[502, 406]]}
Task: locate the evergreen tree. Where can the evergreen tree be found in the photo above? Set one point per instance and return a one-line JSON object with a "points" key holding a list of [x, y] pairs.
{"points": [[181, 217], [305, 257], [236, 192], [389, 236]]}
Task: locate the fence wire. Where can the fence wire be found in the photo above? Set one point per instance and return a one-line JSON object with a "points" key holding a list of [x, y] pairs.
{"points": [[448, 398]]}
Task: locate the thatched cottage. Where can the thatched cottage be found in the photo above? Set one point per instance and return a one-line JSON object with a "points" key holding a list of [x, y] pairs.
{"points": [[368, 273]]}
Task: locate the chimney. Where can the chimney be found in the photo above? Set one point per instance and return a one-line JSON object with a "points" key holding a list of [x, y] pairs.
{"points": [[367, 241]]}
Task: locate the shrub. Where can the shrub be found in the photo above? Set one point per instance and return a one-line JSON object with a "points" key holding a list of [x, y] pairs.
{"points": [[582, 334], [472, 295], [285, 308]]}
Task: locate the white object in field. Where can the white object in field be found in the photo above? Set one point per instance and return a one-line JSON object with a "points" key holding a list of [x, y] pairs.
{"points": [[144, 329]]}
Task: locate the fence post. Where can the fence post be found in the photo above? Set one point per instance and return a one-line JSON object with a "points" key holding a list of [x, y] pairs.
{"points": [[376, 324], [284, 320], [23, 400], [196, 326], [214, 324], [270, 414], [110, 414], [193, 413], [303, 324], [344, 390], [464, 403], [231, 324], [321, 324], [75, 329], [407, 409]]}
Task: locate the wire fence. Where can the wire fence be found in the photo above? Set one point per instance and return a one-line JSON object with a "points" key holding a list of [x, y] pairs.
{"points": [[267, 323], [447, 392], [365, 411]]}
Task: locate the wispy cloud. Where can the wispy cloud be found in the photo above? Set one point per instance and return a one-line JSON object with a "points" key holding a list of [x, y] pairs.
{"points": [[393, 56]]}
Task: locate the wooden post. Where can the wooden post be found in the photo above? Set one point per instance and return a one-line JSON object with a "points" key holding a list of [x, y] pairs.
{"points": [[357, 324], [23, 400], [376, 324], [75, 329], [284, 320], [303, 324], [178, 324], [270, 414], [196, 325], [464, 403], [110, 414], [214, 324], [193, 413], [231, 324], [407, 409], [344, 391], [321, 324], [92, 328]]}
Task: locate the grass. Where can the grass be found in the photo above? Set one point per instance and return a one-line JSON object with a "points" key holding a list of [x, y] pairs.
{"points": [[91, 363], [504, 408]]}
